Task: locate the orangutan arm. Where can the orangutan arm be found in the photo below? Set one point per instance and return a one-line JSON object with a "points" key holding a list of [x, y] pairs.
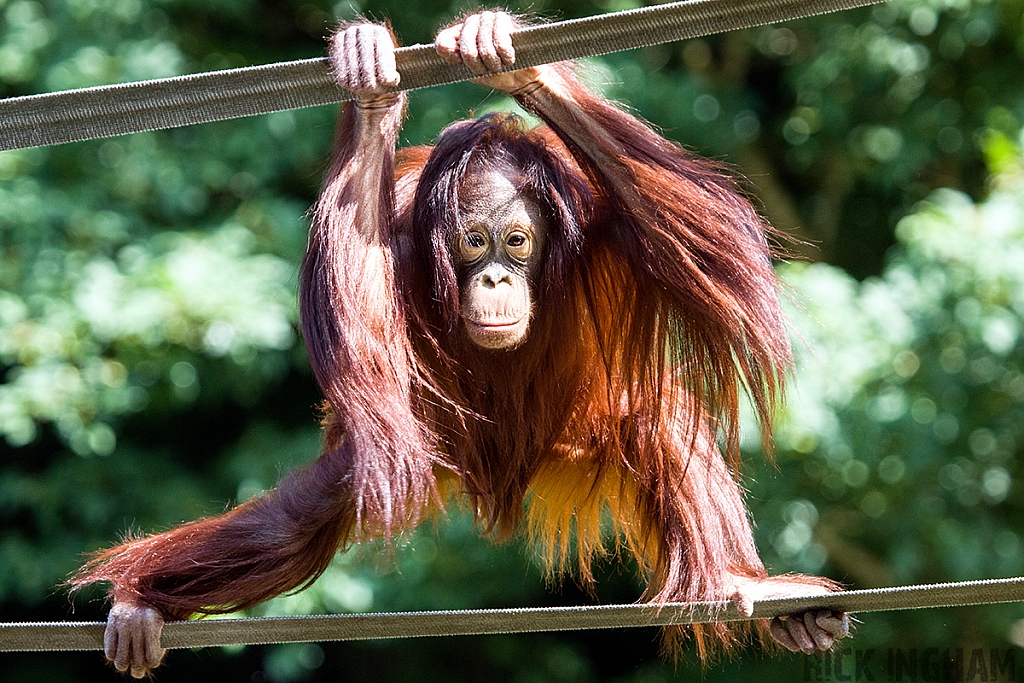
{"points": [[691, 238], [286, 538]]}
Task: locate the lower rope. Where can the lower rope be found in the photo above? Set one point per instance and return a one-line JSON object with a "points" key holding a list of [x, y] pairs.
{"points": [[261, 631]]}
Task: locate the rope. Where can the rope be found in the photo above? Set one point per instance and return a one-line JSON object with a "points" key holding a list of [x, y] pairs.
{"points": [[260, 631], [104, 111]]}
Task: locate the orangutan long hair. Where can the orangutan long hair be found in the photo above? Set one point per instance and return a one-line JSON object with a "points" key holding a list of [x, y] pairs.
{"points": [[655, 308]]}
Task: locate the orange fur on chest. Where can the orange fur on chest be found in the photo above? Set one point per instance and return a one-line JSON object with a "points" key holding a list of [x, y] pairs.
{"points": [[577, 508], [577, 511]]}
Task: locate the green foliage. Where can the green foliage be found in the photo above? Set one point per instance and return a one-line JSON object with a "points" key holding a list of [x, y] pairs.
{"points": [[152, 373], [899, 452], [89, 339]]}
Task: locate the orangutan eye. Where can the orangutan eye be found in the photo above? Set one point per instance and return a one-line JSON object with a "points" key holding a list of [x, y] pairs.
{"points": [[473, 246], [519, 245]]}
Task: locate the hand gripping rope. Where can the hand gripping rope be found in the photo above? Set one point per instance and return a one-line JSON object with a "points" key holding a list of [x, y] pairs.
{"points": [[105, 111]]}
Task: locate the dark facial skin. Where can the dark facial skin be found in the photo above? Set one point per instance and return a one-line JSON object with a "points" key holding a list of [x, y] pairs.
{"points": [[500, 247]]}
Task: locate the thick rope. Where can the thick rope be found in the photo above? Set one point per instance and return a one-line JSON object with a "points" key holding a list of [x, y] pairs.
{"points": [[104, 111], [217, 632]]}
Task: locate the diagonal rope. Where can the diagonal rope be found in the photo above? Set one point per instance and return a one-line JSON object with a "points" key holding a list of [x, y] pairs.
{"points": [[104, 111], [217, 632]]}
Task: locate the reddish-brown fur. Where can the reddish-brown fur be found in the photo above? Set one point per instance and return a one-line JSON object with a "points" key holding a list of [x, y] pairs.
{"points": [[655, 308]]}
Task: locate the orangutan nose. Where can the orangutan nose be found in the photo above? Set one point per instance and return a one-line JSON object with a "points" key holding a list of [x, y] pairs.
{"points": [[495, 274]]}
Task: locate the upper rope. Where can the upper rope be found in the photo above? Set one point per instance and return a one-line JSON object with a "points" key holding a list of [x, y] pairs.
{"points": [[104, 111]]}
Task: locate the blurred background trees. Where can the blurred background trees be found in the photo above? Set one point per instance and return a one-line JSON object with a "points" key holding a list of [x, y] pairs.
{"points": [[152, 372]]}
